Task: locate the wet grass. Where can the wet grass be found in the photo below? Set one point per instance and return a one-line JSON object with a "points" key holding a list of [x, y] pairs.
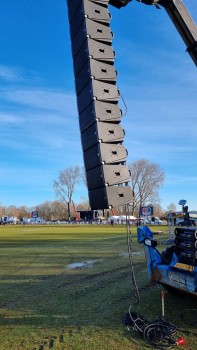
{"points": [[44, 304]]}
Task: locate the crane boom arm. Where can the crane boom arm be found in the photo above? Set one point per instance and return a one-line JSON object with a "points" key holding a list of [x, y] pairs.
{"points": [[183, 23], [180, 18]]}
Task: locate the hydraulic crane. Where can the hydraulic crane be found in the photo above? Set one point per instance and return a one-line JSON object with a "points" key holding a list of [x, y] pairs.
{"points": [[179, 16], [102, 135]]}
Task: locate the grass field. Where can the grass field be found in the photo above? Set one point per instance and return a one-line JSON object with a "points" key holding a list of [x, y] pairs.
{"points": [[46, 302]]}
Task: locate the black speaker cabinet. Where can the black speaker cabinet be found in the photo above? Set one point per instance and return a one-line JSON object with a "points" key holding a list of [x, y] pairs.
{"points": [[95, 75]]}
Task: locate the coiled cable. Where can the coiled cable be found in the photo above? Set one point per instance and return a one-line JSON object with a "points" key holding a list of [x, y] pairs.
{"points": [[158, 333]]}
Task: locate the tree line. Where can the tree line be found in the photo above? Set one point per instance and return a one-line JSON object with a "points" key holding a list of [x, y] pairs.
{"points": [[146, 180]]}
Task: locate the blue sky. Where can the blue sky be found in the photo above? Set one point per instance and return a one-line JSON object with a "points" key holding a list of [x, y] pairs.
{"points": [[39, 134]]}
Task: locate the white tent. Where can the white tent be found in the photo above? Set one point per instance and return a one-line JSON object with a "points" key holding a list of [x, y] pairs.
{"points": [[113, 218], [119, 219], [129, 217], [193, 215]]}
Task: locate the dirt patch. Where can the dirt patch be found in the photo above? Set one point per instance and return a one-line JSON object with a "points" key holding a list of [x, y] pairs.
{"points": [[81, 265]]}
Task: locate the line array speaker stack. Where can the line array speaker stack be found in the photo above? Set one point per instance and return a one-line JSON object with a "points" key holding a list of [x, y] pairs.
{"points": [[97, 99]]}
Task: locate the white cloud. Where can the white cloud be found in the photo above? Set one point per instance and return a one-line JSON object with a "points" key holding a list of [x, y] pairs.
{"points": [[10, 74], [181, 180], [42, 117], [41, 99], [7, 118]]}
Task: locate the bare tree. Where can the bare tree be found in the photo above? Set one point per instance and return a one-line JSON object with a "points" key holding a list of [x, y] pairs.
{"points": [[2, 211], [84, 205], [83, 176], [54, 210], [12, 210], [23, 212], [65, 185], [158, 211], [146, 179], [171, 207]]}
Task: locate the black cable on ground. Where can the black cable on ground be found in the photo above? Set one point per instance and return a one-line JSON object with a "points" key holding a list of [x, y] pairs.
{"points": [[158, 333], [134, 283]]}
